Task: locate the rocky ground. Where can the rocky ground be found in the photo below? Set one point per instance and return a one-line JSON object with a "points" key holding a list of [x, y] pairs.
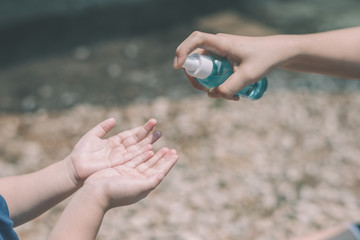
{"points": [[276, 168], [272, 169]]}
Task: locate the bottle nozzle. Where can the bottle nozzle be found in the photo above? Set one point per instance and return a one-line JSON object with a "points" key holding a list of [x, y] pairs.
{"points": [[198, 66], [191, 63]]}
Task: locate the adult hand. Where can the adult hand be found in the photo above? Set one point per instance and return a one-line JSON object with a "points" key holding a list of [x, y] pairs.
{"points": [[251, 58]]}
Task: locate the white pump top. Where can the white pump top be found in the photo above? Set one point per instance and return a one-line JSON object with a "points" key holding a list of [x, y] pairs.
{"points": [[199, 66]]}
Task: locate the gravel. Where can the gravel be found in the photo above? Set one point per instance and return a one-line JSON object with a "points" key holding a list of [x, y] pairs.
{"points": [[270, 169]]}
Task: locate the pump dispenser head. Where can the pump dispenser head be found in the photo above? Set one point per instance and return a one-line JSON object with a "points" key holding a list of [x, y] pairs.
{"points": [[198, 66]]}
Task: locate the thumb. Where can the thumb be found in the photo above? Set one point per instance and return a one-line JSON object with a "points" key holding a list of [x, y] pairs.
{"points": [[103, 128]]}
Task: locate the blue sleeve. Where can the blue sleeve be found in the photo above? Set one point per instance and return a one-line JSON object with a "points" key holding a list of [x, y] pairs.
{"points": [[355, 230], [6, 224]]}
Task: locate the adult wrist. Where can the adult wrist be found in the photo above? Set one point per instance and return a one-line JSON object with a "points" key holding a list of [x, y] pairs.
{"points": [[292, 47]]}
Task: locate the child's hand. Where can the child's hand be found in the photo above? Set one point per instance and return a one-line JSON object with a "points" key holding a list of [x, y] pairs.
{"points": [[93, 153], [108, 188], [130, 182]]}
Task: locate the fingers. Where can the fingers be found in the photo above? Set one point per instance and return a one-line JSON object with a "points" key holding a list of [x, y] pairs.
{"points": [[164, 165], [137, 149], [152, 138], [167, 162], [103, 128], [135, 135], [134, 161], [207, 43], [198, 40], [230, 87], [194, 82], [151, 162], [160, 164], [121, 158]]}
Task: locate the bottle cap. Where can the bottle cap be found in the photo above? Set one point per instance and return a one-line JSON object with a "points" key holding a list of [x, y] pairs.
{"points": [[198, 66]]}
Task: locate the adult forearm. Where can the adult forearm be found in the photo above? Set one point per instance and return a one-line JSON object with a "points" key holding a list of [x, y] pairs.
{"points": [[334, 53], [30, 195]]}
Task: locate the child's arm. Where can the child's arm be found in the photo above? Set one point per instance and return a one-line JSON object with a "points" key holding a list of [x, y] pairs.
{"points": [[30, 195], [109, 188], [334, 53]]}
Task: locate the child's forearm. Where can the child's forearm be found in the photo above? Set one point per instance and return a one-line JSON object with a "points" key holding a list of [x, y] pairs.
{"points": [[333, 53], [30, 195], [81, 219], [109, 188]]}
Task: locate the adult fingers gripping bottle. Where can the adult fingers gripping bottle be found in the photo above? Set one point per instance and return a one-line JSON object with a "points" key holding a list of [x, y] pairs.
{"points": [[213, 71]]}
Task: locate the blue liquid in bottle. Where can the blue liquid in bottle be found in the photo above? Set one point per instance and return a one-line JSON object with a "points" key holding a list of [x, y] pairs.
{"points": [[213, 71]]}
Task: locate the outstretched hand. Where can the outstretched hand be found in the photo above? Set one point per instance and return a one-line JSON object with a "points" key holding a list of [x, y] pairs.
{"points": [[130, 182], [114, 186], [93, 152]]}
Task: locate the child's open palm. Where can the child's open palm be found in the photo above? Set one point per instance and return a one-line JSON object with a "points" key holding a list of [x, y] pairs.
{"points": [[128, 183], [93, 153]]}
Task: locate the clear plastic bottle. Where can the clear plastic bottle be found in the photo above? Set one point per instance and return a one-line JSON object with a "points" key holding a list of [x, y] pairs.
{"points": [[213, 71]]}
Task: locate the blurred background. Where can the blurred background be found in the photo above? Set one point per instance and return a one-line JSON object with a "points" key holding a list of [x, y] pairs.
{"points": [[276, 168]]}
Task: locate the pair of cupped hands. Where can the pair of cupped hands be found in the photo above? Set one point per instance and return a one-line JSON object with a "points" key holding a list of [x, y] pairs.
{"points": [[121, 169]]}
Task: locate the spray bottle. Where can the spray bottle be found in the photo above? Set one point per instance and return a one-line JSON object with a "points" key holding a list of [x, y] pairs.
{"points": [[213, 71]]}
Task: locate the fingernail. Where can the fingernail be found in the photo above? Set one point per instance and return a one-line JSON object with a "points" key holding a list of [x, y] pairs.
{"points": [[157, 134]]}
